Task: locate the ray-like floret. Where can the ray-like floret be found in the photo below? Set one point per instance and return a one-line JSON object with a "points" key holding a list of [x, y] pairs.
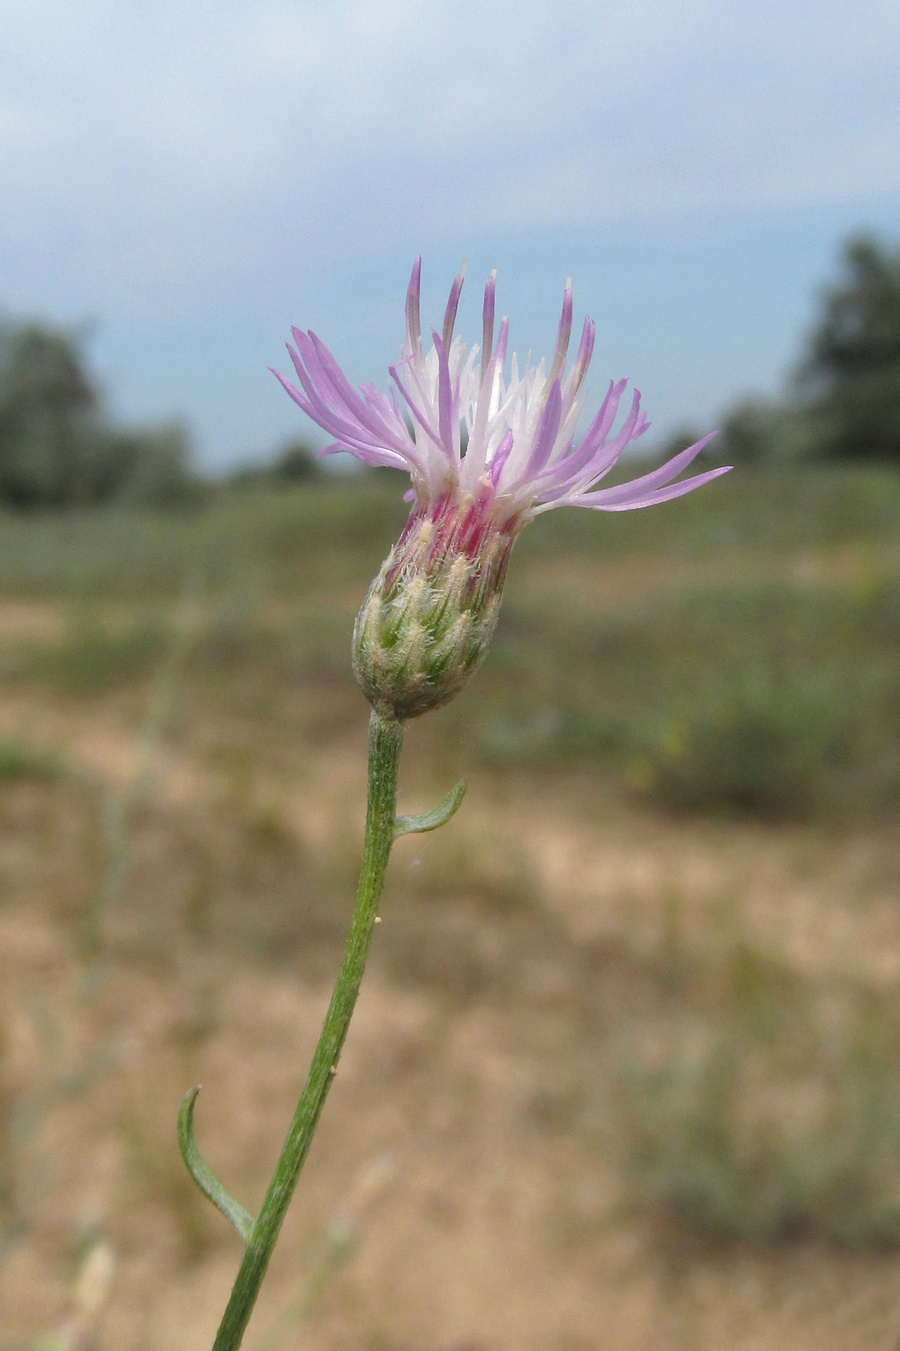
{"points": [[519, 454]]}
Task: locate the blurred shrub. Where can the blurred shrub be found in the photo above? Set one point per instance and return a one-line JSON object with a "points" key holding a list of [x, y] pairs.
{"points": [[149, 467], [852, 369], [91, 656], [768, 743], [769, 1112], [18, 760], [760, 431], [58, 447], [752, 432], [749, 432], [797, 712], [293, 541], [295, 463], [551, 733], [751, 697]]}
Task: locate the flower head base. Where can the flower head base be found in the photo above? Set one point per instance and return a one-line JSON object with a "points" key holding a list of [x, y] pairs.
{"points": [[431, 611]]}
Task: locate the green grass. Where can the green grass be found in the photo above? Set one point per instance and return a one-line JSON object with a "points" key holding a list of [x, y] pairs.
{"points": [[750, 697], [762, 513], [18, 760], [336, 532], [744, 662], [91, 656], [288, 542], [766, 1107]]}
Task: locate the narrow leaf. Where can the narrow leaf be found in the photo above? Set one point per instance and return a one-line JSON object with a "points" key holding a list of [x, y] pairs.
{"points": [[438, 816], [203, 1175]]}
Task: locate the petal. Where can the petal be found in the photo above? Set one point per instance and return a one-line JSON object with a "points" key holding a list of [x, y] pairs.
{"points": [[645, 499], [413, 325], [593, 459], [657, 477], [545, 437], [575, 378], [501, 455], [562, 341], [445, 396], [487, 323], [369, 427], [452, 306], [420, 416]]}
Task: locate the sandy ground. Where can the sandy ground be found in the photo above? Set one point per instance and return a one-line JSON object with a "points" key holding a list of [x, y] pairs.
{"points": [[465, 1147]]}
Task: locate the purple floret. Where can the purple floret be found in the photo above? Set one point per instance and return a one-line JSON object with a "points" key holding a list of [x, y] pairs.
{"points": [[521, 452]]}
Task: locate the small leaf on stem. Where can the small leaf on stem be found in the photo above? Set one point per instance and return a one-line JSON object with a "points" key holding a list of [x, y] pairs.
{"points": [[203, 1175], [438, 816]]}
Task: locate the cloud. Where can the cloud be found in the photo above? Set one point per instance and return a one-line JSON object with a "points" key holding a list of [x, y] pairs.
{"points": [[515, 113]]}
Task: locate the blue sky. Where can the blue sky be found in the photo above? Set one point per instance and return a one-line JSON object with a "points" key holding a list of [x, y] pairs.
{"points": [[189, 180]]}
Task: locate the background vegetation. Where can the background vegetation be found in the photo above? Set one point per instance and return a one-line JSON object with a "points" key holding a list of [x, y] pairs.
{"points": [[643, 995]]}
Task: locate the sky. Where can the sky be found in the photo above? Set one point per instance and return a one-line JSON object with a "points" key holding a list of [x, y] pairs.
{"points": [[184, 182]]}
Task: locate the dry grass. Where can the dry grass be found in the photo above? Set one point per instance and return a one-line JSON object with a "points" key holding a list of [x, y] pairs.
{"points": [[477, 1146]]}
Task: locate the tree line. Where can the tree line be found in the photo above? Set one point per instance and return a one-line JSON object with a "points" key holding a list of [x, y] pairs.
{"points": [[60, 447]]}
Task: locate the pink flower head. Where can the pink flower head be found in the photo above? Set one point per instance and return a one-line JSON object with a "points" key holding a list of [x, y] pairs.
{"points": [[521, 457], [429, 615]]}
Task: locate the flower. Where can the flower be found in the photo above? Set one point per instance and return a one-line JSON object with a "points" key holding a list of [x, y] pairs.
{"points": [[520, 453], [432, 608]]}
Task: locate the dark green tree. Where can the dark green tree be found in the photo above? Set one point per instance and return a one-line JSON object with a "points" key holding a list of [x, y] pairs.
{"points": [[57, 446], [851, 375], [49, 410]]}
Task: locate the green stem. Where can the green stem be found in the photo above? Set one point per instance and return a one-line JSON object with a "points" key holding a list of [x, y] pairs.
{"points": [[385, 740]]}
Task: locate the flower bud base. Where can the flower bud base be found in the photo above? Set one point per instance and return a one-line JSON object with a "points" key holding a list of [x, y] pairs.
{"points": [[431, 611]]}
